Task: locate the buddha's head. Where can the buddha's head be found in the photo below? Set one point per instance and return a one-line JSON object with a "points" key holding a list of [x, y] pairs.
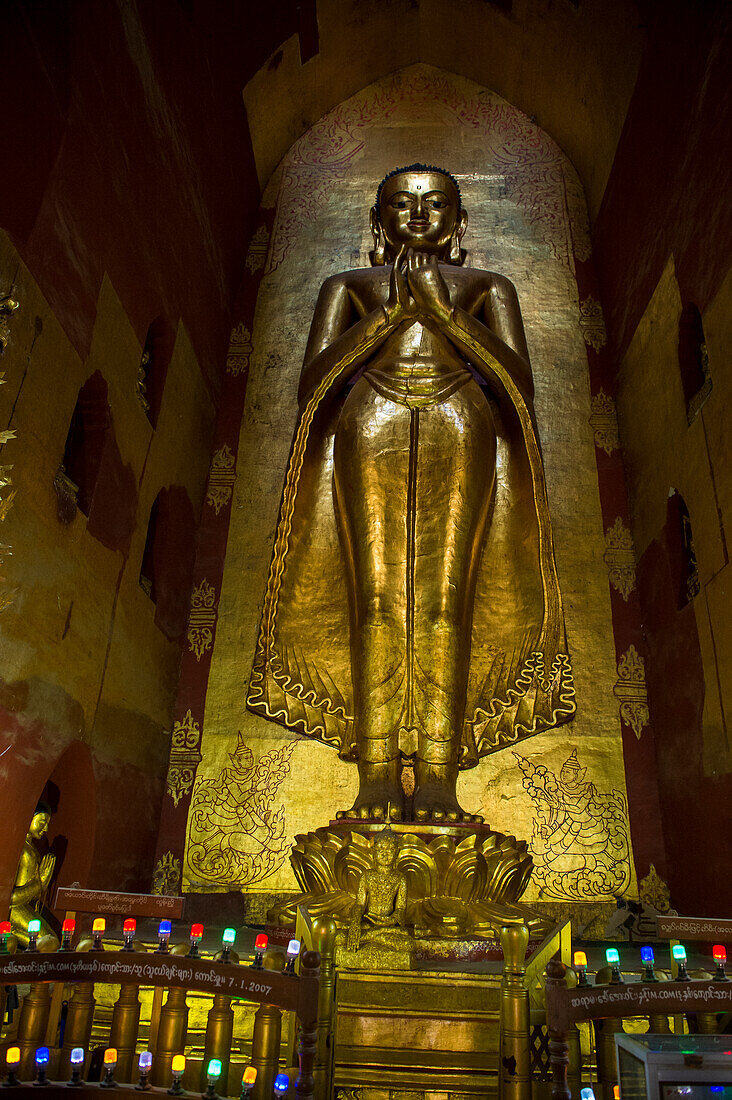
{"points": [[41, 820], [418, 207], [385, 849]]}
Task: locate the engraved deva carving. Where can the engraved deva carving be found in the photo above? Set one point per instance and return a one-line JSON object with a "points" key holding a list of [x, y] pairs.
{"points": [[221, 478], [166, 876], [240, 348], [592, 324], [619, 557], [184, 757], [580, 839], [630, 689], [457, 885], [376, 937], [236, 836], [604, 423], [412, 610], [202, 619]]}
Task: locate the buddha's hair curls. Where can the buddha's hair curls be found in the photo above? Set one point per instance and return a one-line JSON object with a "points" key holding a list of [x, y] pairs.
{"points": [[419, 168]]}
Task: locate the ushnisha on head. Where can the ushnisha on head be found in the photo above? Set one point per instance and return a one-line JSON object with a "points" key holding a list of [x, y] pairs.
{"points": [[418, 207]]}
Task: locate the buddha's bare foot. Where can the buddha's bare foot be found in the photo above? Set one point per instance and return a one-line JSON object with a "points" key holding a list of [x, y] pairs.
{"points": [[375, 802], [438, 804]]}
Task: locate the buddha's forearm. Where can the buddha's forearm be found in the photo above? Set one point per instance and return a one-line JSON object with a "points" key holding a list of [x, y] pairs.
{"points": [[467, 331], [348, 352], [22, 895]]}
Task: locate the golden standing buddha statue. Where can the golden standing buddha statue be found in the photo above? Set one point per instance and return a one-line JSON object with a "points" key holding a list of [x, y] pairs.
{"points": [[413, 612], [31, 882]]}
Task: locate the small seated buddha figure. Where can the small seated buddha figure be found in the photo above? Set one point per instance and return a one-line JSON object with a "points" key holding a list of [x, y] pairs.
{"points": [[31, 884], [377, 938]]}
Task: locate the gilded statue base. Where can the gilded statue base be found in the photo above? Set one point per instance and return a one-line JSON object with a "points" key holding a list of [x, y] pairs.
{"points": [[463, 881]]}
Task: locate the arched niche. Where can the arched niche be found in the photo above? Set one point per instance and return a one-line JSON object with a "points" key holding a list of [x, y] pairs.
{"points": [[528, 221], [167, 564], [70, 790]]}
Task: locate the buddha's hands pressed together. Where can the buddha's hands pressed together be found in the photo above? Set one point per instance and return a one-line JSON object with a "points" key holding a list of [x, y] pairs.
{"points": [[427, 285], [46, 868], [400, 304]]}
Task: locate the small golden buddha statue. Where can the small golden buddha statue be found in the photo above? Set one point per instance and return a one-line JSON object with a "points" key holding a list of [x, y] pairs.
{"points": [[376, 937], [31, 884], [413, 611]]}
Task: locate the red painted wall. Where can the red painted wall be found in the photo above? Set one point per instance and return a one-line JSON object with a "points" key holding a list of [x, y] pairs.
{"points": [[671, 179], [668, 193], [127, 151], [696, 809]]}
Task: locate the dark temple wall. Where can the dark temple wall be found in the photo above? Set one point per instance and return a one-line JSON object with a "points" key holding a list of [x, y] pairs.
{"points": [[663, 243]]}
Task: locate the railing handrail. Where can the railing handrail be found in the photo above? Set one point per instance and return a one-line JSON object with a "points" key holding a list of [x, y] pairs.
{"points": [[293, 992], [564, 1006]]}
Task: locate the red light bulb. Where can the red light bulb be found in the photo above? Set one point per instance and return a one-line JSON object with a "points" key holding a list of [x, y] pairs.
{"points": [[260, 944], [196, 931], [719, 953], [130, 925]]}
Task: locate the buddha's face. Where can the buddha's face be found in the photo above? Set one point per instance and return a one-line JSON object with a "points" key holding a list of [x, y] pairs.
{"points": [[384, 851], [419, 210], [39, 825]]}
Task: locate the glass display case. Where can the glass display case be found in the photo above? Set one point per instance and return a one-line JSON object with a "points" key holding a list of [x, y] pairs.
{"points": [[667, 1067]]}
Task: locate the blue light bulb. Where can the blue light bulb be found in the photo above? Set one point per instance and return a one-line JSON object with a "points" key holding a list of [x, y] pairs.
{"points": [[281, 1083], [647, 957], [42, 1056], [164, 928]]}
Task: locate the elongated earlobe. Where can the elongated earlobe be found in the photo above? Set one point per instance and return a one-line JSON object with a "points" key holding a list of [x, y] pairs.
{"points": [[456, 254], [378, 256]]}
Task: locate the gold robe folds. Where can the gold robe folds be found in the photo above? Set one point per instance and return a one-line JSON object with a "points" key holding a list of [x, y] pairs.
{"points": [[519, 678]]}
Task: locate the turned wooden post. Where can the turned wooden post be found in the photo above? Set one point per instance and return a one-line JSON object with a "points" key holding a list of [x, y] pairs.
{"points": [[172, 1029], [123, 1032], [266, 1049], [219, 1033], [324, 933], [307, 1047], [558, 1045], [605, 1029], [32, 1024], [514, 1055]]}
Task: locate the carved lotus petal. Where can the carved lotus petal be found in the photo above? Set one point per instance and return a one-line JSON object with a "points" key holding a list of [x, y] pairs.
{"points": [[312, 861], [466, 875], [442, 849], [349, 863], [417, 862]]}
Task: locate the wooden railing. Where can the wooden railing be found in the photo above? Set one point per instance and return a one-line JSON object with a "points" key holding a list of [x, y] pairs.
{"points": [[566, 1007], [273, 990]]}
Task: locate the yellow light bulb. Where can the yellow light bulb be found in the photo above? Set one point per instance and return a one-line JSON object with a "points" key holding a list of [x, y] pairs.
{"points": [[99, 924], [110, 1057], [580, 958], [12, 1056], [179, 1063], [250, 1075]]}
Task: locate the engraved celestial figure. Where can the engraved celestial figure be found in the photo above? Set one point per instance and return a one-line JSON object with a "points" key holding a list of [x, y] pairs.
{"points": [[413, 611]]}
